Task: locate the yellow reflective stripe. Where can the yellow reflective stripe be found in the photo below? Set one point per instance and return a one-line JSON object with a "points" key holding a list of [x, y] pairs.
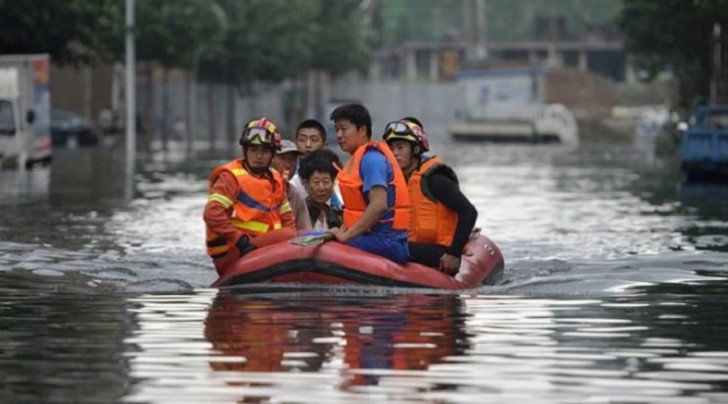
{"points": [[218, 250], [258, 227], [239, 172], [286, 207], [276, 226], [221, 199]]}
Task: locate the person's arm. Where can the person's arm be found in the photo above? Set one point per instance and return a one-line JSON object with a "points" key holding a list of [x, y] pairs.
{"points": [[300, 210], [288, 219], [219, 207], [374, 176], [375, 209], [448, 193]]}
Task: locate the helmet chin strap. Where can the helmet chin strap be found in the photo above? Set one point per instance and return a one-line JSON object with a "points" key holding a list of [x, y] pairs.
{"points": [[256, 170]]}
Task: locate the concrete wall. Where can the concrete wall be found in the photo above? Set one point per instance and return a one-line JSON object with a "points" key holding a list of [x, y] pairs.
{"points": [[435, 104]]}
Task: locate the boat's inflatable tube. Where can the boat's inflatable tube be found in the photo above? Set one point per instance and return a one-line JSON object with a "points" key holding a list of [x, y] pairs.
{"points": [[337, 263]]}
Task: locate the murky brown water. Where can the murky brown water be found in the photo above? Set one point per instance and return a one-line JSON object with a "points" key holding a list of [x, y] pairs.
{"points": [[614, 292]]}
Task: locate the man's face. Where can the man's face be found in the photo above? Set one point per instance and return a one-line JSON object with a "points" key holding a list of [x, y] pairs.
{"points": [[308, 140], [349, 136], [402, 151], [258, 156], [286, 164]]}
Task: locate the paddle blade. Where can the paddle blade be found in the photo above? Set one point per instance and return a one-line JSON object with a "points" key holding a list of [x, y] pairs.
{"points": [[306, 241]]}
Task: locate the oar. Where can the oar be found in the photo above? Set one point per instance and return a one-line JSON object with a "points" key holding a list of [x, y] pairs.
{"points": [[306, 241]]}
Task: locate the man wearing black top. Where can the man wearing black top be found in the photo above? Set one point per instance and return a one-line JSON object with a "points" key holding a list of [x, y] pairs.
{"points": [[441, 218]]}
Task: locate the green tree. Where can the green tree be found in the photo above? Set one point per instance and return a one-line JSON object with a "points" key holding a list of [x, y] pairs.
{"points": [[267, 40], [344, 39], [675, 34], [71, 31], [178, 33]]}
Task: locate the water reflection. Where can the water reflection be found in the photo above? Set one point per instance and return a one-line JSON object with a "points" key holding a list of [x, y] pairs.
{"points": [[401, 332], [344, 345], [327, 344], [91, 178], [59, 346], [708, 204], [24, 186]]}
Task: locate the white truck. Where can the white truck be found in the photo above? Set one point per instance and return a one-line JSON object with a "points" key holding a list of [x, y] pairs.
{"points": [[25, 137]]}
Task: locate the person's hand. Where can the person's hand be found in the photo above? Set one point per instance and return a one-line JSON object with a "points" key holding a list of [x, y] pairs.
{"points": [[339, 234], [449, 264], [244, 245]]}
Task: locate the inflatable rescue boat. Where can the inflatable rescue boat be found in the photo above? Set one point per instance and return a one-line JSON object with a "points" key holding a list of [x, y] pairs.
{"points": [[336, 263]]}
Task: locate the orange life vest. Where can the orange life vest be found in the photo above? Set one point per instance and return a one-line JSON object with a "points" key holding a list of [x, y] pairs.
{"points": [[257, 209], [350, 185], [430, 221]]}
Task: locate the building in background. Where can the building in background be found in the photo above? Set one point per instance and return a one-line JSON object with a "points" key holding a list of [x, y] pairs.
{"points": [[432, 39]]}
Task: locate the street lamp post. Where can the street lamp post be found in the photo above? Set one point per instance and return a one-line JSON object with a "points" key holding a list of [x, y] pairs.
{"points": [[130, 90]]}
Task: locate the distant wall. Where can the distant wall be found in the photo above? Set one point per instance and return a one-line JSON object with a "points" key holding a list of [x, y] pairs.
{"points": [[435, 104], [86, 90]]}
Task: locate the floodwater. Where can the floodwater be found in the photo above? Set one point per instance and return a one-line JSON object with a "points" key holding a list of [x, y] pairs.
{"points": [[614, 291]]}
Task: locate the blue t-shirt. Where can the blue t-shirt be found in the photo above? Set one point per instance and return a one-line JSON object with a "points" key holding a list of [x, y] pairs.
{"points": [[376, 171]]}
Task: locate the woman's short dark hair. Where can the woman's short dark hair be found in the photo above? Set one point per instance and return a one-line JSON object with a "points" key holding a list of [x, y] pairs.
{"points": [[322, 161], [354, 113]]}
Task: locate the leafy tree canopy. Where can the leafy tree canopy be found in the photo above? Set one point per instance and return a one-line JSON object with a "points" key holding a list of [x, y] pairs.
{"points": [[71, 31], [676, 34], [344, 39], [230, 41], [178, 33]]}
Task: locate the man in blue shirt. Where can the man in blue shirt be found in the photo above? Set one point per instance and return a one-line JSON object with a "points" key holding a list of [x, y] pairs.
{"points": [[376, 202]]}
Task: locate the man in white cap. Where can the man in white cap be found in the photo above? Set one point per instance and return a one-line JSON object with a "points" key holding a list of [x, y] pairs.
{"points": [[285, 162]]}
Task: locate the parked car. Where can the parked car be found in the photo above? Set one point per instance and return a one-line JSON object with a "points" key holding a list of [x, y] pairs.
{"points": [[69, 129]]}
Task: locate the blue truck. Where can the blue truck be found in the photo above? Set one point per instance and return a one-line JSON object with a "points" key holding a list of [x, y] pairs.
{"points": [[704, 144]]}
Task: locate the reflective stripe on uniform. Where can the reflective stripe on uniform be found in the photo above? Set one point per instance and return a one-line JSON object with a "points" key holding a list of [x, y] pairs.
{"points": [[218, 250], [258, 227], [246, 200], [221, 199], [239, 172], [286, 208], [216, 242]]}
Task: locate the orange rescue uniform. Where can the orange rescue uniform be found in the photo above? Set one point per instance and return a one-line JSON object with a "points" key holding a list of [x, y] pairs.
{"points": [[430, 222], [241, 203]]}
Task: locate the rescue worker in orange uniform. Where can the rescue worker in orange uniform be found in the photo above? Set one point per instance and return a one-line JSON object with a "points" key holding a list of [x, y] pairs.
{"points": [[247, 207], [374, 191], [441, 218]]}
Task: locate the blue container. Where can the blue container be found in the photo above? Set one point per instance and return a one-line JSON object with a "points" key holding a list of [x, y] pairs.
{"points": [[704, 145]]}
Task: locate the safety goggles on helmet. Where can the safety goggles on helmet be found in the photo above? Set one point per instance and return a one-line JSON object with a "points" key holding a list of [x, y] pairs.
{"points": [[262, 132], [406, 130]]}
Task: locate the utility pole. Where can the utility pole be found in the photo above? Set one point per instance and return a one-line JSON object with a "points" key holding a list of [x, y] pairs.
{"points": [[130, 93], [717, 74], [467, 31], [481, 50], [130, 101]]}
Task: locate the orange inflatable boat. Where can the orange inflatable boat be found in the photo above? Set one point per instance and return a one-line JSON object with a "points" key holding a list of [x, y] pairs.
{"points": [[336, 263]]}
